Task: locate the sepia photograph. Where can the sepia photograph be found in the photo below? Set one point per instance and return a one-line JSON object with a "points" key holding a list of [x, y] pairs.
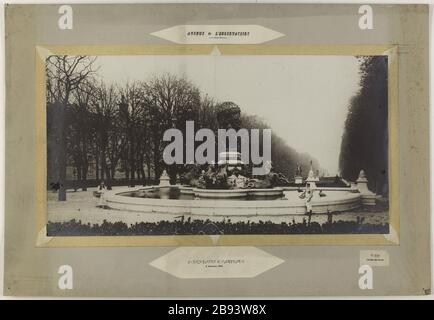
{"points": [[217, 144]]}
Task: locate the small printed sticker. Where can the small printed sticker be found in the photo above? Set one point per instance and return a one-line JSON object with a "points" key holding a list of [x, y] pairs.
{"points": [[374, 258]]}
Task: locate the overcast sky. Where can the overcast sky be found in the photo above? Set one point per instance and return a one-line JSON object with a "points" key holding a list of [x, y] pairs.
{"points": [[303, 98]]}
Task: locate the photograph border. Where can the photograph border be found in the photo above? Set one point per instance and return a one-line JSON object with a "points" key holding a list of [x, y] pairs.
{"points": [[42, 240]]}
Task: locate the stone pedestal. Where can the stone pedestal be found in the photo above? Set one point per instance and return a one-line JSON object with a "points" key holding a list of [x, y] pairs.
{"points": [[298, 179], [311, 179], [164, 185], [311, 184], [368, 197], [164, 180]]}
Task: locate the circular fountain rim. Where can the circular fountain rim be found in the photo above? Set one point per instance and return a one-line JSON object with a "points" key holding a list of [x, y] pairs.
{"points": [[113, 199]]}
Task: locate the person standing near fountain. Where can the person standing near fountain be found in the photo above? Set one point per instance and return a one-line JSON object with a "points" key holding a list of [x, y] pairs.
{"points": [[101, 189], [308, 200]]}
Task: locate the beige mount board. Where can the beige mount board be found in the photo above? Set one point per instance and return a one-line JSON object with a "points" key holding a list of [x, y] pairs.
{"points": [[304, 265]]}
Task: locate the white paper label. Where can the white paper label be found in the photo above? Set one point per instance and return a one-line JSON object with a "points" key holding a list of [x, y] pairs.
{"points": [[218, 34], [216, 262], [374, 258]]}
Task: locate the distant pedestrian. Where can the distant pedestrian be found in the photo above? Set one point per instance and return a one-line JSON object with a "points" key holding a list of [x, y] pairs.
{"points": [[101, 189], [308, 201], [102, 186]]}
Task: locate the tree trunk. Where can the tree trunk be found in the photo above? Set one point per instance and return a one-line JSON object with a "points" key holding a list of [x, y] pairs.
{"points": [[109, 178], [112, 172], [62, 153], [78, 181], [157, 160], [133, 174], [103, 165], [148, 165], [97, 167], [84, 177], [142, 170], [127, 170], [139, 177]]}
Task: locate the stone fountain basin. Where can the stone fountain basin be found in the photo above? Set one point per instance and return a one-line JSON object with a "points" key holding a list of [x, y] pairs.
{"points": [[337, 200], [272, 193]]}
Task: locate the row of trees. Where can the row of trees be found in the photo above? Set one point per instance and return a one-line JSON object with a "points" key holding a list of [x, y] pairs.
{"points": [[119, 128], [365, 139]]}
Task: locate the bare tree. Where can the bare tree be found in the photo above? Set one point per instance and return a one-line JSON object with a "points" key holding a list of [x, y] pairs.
{"points": [[172, 101], [64, 76], [80, 140], [134, 126], [109, 142]]}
